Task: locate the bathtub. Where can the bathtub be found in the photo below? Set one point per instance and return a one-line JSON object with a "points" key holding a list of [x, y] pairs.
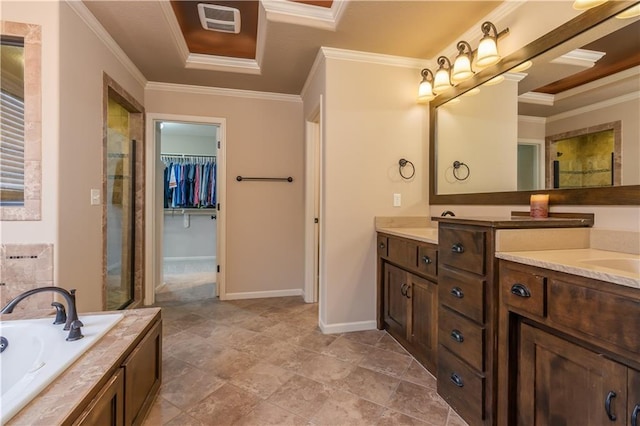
{"points": [[37, 353]]}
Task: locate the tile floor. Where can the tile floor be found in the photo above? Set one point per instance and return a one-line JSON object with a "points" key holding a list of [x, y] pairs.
{"points": [[265, 362]]}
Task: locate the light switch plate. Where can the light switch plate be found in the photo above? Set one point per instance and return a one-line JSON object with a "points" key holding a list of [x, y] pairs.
{"points": [[95, 197], [397, 200]]}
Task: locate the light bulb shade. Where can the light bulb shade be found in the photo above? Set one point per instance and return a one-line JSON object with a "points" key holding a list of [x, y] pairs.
{"points": [[425, 92], [442, 79], [587, 4], [461, 68], [632, 12], [487, 52]]}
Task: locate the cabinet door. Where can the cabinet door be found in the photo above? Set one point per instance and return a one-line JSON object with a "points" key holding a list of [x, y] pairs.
{"points": [[107, 408], [143, 369], [561, 383], [634, 397], [395, 301], [423, 296]]}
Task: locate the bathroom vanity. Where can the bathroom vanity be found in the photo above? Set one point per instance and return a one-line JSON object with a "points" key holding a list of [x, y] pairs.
{"points": [[453, 306], [114, 382], [569, 345]]}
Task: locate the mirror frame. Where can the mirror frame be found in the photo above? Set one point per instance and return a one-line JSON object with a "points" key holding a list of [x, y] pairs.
{"points": [[31, 209], [618, 195]]}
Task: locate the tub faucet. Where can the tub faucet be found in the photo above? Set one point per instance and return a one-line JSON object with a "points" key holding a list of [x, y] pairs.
{"points": [[447, 213], [72, 323]]}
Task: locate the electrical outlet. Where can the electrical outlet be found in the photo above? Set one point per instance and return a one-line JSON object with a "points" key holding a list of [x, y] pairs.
{"points": [[397, 200]]}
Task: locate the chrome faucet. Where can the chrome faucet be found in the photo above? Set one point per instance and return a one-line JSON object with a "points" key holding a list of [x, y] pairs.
{"points": [[447, 213], [72, 323]]}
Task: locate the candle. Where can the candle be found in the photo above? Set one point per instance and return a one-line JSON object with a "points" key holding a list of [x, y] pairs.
{"points": [[539, 205]]}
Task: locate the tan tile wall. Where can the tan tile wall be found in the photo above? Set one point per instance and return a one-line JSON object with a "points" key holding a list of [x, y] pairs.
{"points": [[23, 267]]}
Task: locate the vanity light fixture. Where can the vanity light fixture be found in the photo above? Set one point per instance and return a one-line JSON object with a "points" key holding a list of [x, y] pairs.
{"points": [[425, 90], [442, 80], [462, 65], [488, 46]]}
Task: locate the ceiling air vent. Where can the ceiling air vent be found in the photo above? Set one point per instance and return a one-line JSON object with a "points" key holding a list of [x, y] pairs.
{"points": [[219, 18]]}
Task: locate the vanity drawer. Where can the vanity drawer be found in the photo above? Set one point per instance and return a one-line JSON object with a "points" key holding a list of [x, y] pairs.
{"points": [[607, 316], [402, 252], [460, 386], [462, 337], [462, 292], [428, 259], [462, 248], [523, 290], [382, 245]]}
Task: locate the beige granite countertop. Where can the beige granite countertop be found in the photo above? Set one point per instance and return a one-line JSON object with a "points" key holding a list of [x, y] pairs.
{"points": [[58, 400], [427, 235], [585, 262]]}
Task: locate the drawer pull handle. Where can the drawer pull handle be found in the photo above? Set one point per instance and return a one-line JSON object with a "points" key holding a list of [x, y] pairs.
{"points": [[381, 245], [427, 260], [457, 292], [520, 290], [457, 248], [457, 336], [607, 405], [635, 414], [457, 380], [403, 289]]}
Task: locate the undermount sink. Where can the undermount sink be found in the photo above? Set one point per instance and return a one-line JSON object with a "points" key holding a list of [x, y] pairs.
{"points": [[621, 264]]}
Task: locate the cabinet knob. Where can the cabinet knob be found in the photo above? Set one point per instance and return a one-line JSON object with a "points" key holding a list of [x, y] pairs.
{"points": [[427, 260], [381, 245], [457, 292], [457, 248], [607, 405], [635, 414], [520, 290], [457, 336], [457, 380]]}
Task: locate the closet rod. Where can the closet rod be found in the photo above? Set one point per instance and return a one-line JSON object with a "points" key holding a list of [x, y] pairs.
{"points": [[168, 154], [273, 179]]}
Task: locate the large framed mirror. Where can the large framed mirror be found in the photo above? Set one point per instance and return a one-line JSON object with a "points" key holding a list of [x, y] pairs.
{"points": [[558, 116], [20, 121]]}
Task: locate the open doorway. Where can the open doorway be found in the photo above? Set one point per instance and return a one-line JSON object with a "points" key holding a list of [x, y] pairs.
{"points": [[186, 199], [313, 206]]}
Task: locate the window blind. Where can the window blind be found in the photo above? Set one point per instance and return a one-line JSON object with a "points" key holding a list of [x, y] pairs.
{"points": [[11, 149]]}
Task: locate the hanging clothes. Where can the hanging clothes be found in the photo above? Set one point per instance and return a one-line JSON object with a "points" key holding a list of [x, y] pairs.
{"points": [[189, 181]]}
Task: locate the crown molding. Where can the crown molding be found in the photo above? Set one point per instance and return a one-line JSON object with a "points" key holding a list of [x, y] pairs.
{"points": [[537, 98], [220, 91], [596, 106], [222, 63], [176, 32], [87, 17], [592, 85], [302, 14], [531, 119], [580, 57], [372, 58]]}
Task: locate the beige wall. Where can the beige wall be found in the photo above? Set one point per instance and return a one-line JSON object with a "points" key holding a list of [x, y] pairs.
{"points": [[47, 15], [264, 137], [371, 121]]}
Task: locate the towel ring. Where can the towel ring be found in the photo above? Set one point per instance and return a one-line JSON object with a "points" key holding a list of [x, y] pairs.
{"points": [[402, 164], [456, 167]]}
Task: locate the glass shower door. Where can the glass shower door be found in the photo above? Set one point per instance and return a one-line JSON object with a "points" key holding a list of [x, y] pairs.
{"points": [[119, 201]]}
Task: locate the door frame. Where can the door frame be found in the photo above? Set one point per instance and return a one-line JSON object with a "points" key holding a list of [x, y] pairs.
{"points": [[154, 225], [313, 205]]}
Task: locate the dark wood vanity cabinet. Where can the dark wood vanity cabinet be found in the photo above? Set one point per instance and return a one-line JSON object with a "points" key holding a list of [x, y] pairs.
{"points": [[128, 394], [465, 329], [407, 302], [569, 349]]}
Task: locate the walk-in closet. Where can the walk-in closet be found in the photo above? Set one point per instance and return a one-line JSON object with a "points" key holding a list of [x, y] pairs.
{"points": [[187, 177]]}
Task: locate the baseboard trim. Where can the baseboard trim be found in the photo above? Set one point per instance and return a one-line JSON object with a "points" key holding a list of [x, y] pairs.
{"points": [[264, 294], [346, 327]]}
